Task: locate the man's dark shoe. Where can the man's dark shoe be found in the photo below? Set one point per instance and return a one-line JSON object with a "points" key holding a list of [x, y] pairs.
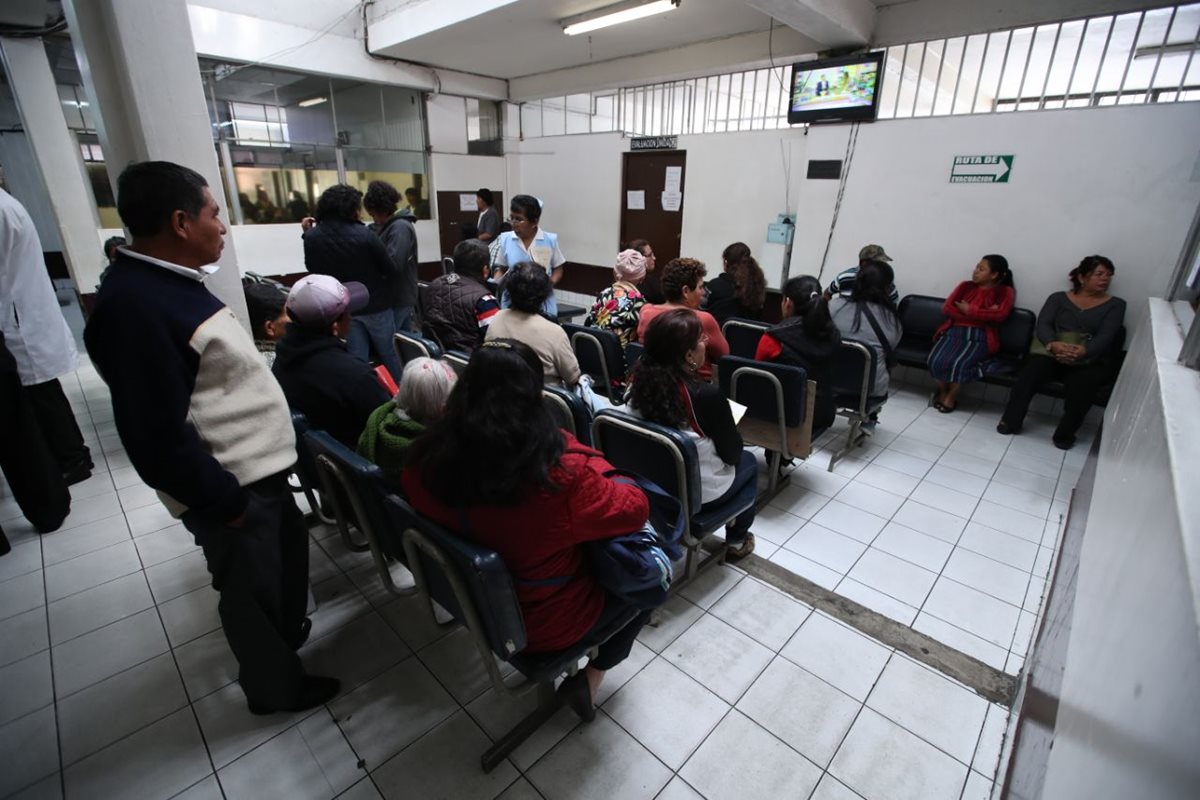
{"points": [[576, 693], [302, 637], [78, 473], [315, 691]]}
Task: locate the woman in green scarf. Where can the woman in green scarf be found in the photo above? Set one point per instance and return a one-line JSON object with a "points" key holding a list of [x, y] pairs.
{"points": [[421, 399]]}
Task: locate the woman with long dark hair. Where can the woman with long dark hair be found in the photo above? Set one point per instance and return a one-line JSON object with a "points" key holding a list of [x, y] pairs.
{"points": [[808, 338], [971, 332], [869, 315], [1075, 341], [741, 288], [665, 389], [498, 471]]}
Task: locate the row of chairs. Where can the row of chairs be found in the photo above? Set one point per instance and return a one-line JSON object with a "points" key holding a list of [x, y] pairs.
{"points": [[471, 582], [921, 315]]}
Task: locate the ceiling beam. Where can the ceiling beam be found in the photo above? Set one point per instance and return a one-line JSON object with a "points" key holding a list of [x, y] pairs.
{"points": [[388, 29], [833, 23]]}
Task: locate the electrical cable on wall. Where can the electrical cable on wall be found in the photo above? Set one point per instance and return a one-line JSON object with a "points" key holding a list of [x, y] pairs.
{"points": [[851, 143]]}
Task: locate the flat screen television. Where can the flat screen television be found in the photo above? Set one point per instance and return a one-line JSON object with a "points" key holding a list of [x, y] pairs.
{"points": [[844, 89]]}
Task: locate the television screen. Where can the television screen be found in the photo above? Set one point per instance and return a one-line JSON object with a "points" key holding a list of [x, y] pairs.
{"points": [[836, 90]]}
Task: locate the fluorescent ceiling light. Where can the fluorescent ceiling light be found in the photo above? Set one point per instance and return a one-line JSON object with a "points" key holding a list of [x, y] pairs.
{"points": [[313, 101], [615, 15]]}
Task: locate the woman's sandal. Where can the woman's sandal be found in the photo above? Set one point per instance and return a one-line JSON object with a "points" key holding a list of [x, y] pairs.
{"points": [[945, 409]]}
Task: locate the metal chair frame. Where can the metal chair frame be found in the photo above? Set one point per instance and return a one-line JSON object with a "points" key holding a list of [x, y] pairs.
{"points": [[775, 446], [589, 339], [857, 415]]}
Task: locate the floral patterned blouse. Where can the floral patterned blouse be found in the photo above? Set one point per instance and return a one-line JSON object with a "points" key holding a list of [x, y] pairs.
{"points": [[616, 309]]}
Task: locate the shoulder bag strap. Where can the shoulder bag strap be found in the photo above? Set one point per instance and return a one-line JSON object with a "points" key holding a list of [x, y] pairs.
{"points": [[889, 357]]}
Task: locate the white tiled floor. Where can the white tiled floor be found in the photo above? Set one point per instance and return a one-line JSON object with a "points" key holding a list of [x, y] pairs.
{"points": [[115, 680]]}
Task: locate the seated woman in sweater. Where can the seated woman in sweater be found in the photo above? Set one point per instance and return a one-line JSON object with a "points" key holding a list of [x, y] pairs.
{"points": [[683, 286], [971, 332], [869, 315], [665, 389], [1075, 341], [806, 338], [497, 464], [420, 401], [741, 288]]}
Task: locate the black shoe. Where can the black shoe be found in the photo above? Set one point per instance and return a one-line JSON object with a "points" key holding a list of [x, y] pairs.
{"points": [[302, 637], [1064, 442], [1004, 429], [78, 473], [314, 691], [577, 694]]}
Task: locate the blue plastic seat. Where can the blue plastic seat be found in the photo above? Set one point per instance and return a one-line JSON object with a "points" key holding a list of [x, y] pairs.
{"points": [[667, 456], [599, 354], [474, 585], [743, 335], [360, 493], [411, 345], [779, 402], [569, 412], [853, 377]]}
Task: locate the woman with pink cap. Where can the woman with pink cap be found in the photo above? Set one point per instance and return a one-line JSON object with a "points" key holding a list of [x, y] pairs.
{"points": [[617, 308]]}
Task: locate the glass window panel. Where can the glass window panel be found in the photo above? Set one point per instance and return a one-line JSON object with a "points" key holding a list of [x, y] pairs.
{"points": [[1086, 71], [989, 80], [278, 187], [893, 68], [554, 120], [358, 114], [1037, 65], [403, 169], [531, 120], [605, 117], [1150, 41], [1119, 49], [952, 56], [1009, 86], [1183, 32], [70, 106], [927, 78], [968, 74], [1058, 73], [403, 118]]}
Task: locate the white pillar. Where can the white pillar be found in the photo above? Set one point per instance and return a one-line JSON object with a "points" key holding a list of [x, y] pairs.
{"points": [[57, 157], [142, 78]]}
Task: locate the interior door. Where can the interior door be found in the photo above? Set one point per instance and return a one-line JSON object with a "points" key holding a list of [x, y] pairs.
{"points": [[451, 217], [648, 172]]}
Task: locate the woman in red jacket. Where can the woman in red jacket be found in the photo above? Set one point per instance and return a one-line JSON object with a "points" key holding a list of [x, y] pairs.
{"points": [[971, 332], [496, 470]]}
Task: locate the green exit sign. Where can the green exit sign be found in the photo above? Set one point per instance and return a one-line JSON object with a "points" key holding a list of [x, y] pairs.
{"points": [[981, 169]]}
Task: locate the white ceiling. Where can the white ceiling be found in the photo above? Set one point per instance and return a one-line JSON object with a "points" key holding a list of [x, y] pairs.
{"points": [[526, 38]]}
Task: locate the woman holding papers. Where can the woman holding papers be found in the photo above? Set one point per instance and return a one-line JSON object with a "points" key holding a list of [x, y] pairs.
{"points": [[665, 389]]}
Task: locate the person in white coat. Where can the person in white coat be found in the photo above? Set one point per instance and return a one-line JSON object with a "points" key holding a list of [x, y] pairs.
{"points": [[38, 337]]}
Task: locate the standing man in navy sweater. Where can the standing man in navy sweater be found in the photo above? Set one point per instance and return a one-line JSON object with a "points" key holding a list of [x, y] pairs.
{"points": [[205, 424]]}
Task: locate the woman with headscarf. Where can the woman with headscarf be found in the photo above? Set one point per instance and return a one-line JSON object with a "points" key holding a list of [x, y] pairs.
{"points": [[617, 308]]}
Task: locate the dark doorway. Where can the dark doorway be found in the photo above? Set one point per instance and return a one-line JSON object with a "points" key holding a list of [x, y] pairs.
{"points": [[451, 217], [647, 172]]}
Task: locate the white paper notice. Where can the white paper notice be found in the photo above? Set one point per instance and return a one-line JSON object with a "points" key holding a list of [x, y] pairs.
{"points": [[674, 179], [671, 201], [466, 202], [635, 201]]}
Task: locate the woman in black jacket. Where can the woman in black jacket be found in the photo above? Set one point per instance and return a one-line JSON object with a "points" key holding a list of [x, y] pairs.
{"points": [[806, 338], [665, 390], [741, 288], [341, 246]]}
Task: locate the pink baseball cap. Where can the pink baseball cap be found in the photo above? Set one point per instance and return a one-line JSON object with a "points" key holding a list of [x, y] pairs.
{"points": [[317, 300]]}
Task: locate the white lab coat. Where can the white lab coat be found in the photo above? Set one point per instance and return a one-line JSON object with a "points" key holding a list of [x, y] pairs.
{"points": [[35, 331]]}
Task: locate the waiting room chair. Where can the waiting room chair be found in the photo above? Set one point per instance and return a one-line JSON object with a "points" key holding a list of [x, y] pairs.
{"points": [[599, 354], [853, 377], [743, 336], [667, 456], [633, 354], [412, 345], [569, 412], [354, 480], [475, 586], [306, 470], [920, 317], [779, 402], [457, 360]]}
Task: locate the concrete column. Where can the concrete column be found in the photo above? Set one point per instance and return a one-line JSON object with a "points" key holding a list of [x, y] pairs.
{"points": [[142, 78], [56, 154]]}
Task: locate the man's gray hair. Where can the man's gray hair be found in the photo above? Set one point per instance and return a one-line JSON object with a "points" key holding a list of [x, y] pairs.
{"points": [[425, 385]]}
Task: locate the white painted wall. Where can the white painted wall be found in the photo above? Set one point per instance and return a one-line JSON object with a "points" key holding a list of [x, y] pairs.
{"points": [[1116, 181], [1129, 713]]}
